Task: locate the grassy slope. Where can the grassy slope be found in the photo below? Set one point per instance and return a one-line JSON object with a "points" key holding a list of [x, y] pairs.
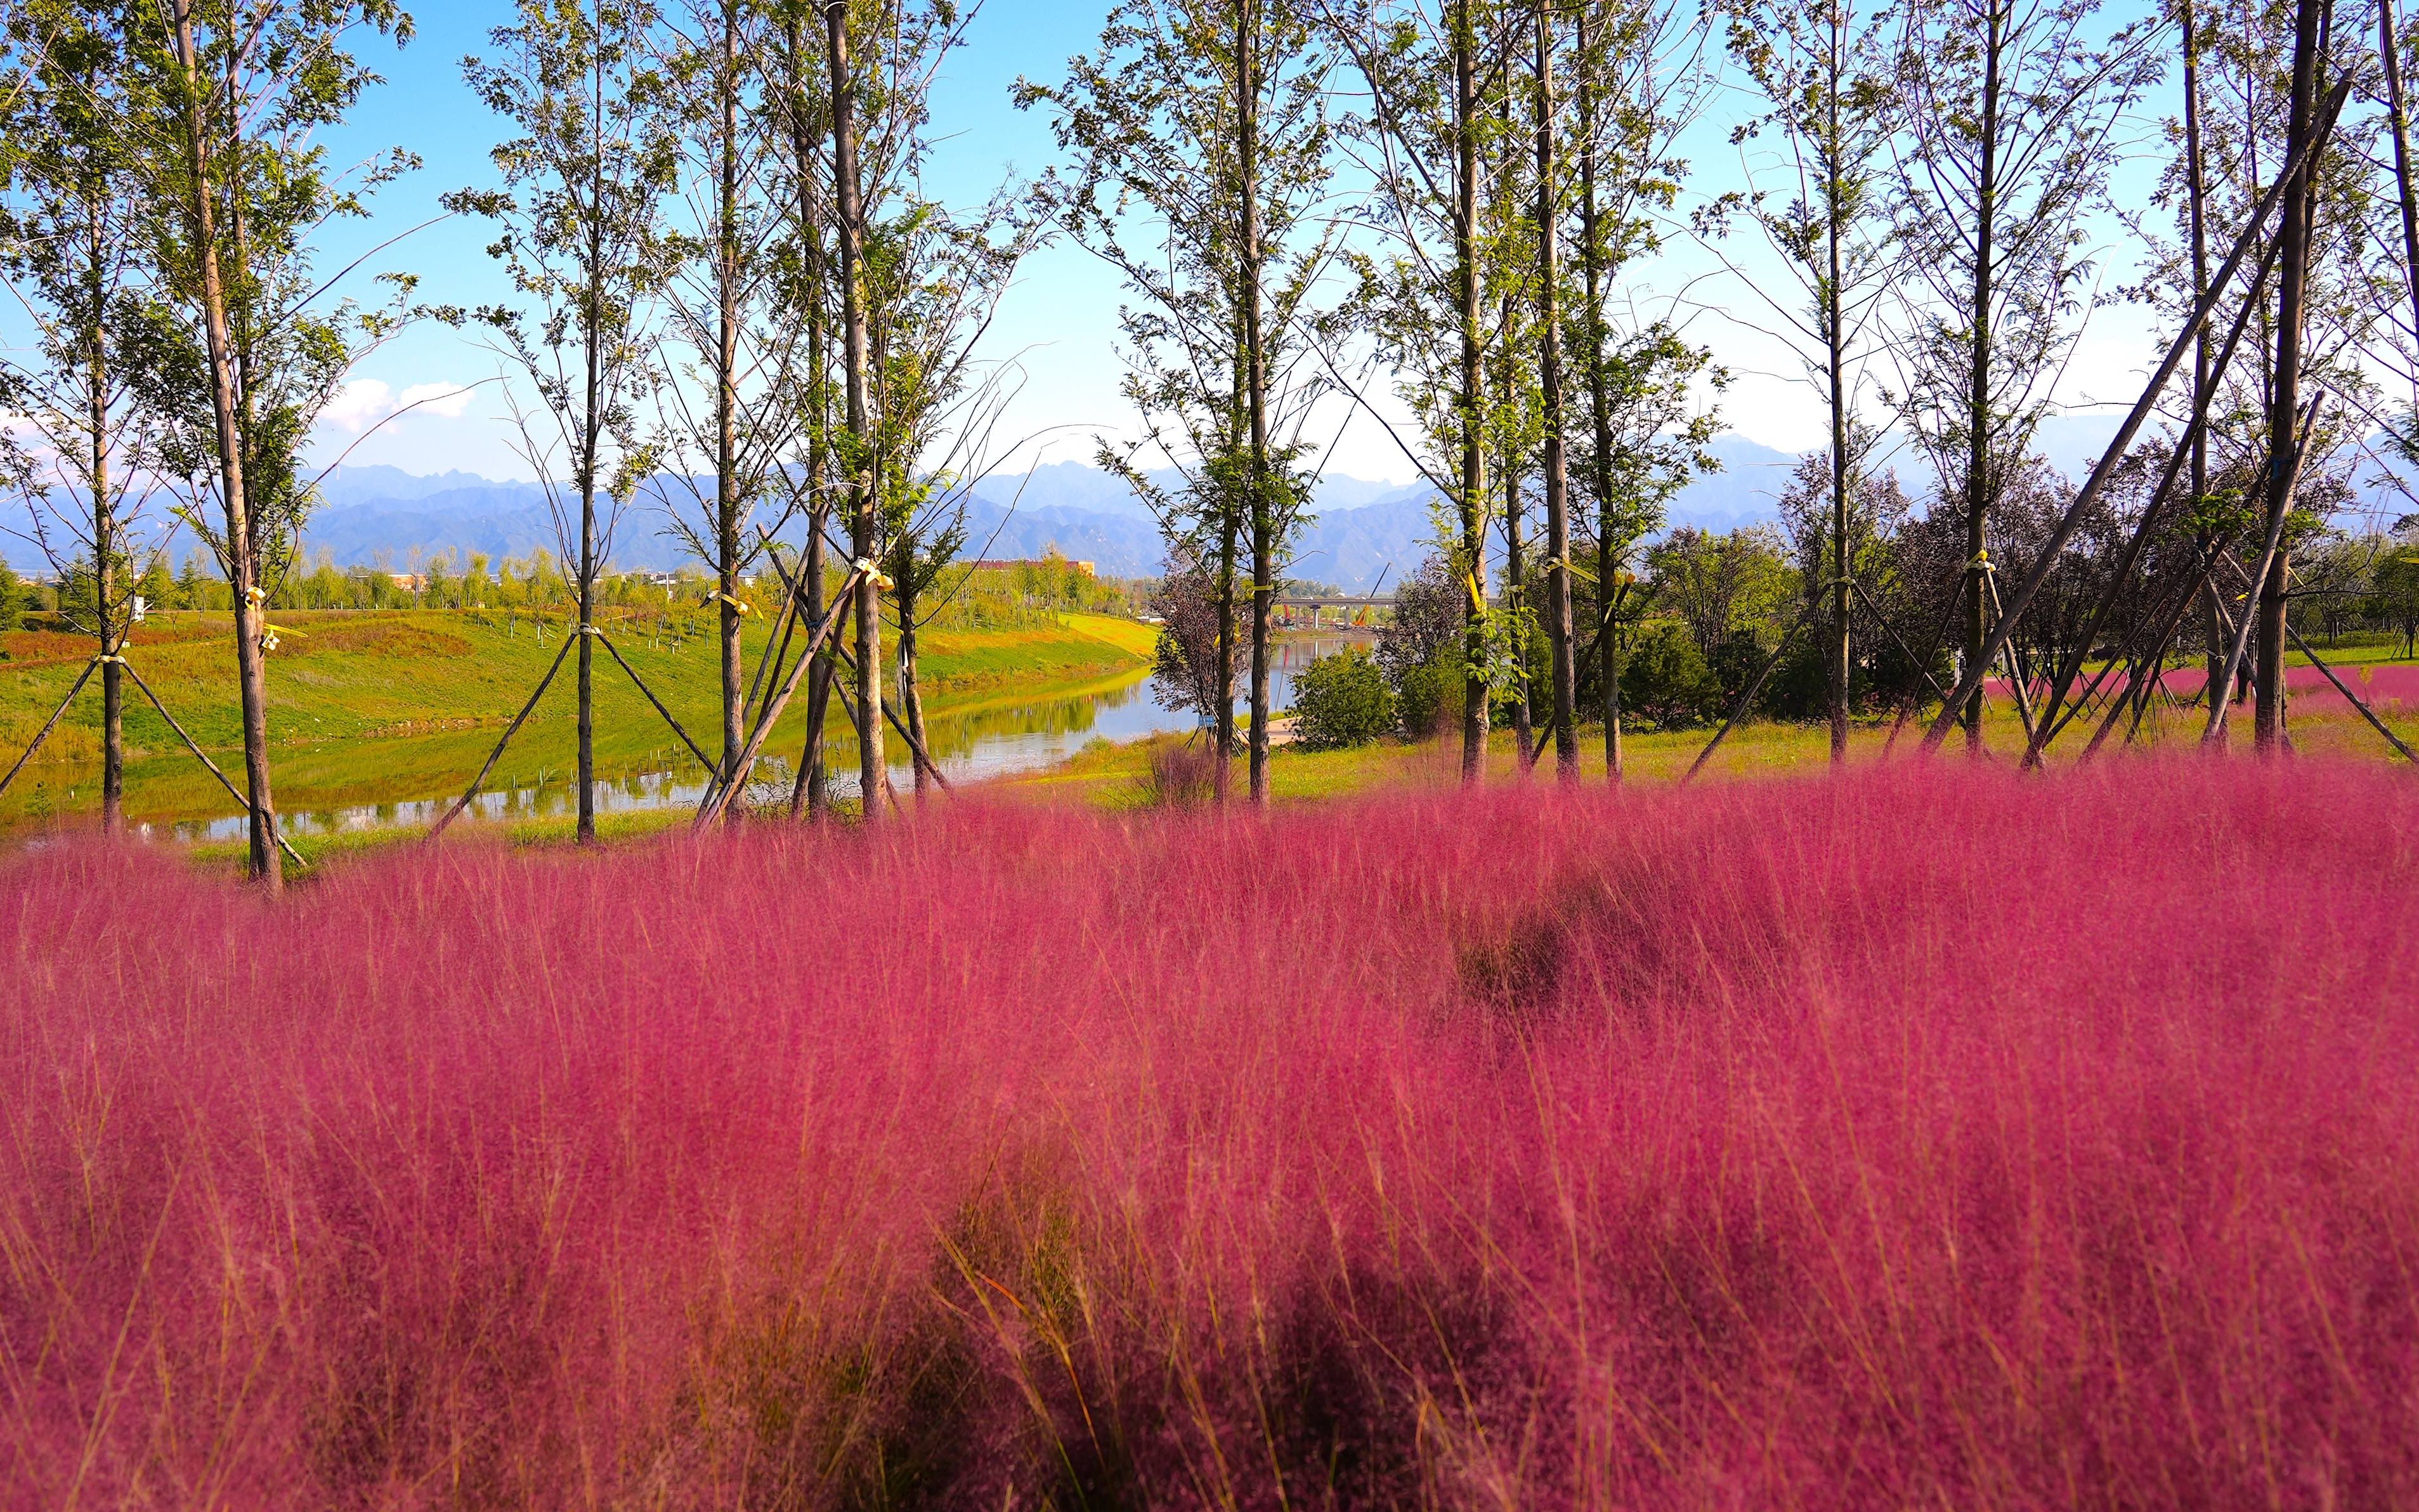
{"points": [[377, 707], [1117, 777]]}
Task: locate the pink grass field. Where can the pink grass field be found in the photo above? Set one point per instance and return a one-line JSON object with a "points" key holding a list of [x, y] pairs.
{"points": [[1930, 1138]]}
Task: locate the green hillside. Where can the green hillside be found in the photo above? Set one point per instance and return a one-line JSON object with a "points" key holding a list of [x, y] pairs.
{"points": [[389, 707]]}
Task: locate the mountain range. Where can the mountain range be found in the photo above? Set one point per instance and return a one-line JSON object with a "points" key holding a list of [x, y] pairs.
{"points": [[1363, 530]]}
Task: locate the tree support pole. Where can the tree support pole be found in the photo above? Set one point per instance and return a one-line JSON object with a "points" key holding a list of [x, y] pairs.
{"points": [[719, 801], [2186, 446], [275, 833], [1922, 670], [2106, 468], [50, 724], [495, 755], [1939, 638], [2276, 518], [923, 757], [2174, 617], [2354, 699], [2015, 665], [615, 652], [2350, 696], [1747, 698], [848, 706]]}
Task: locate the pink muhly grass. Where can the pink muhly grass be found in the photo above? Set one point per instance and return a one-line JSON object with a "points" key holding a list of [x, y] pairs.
{"points": [[1930, 1137]]}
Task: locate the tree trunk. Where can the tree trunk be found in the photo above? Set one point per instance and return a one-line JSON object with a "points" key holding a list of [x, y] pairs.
{"points": [[2197, 206], [591, 444], [1263, 504], [266, 861], [727, 503], [1550, 383], [1515, 554], [1231, 527], [812, 791], [862, 524], [1977, 394], [104, 536], [1608, 556], [2285, 396], [1472, 396], [1836, 336], [2398, 121]]}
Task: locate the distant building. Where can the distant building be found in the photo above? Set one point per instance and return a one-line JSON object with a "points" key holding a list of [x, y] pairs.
{"points": [[995, 565], [410, 582]]}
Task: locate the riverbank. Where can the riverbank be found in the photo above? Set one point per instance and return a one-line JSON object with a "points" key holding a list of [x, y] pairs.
{"points": [[393, 709], [1124, 777]]}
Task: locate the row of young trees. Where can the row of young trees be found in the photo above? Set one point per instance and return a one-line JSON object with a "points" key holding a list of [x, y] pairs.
{"points": [[1456, 192], [726, 277], [730, 291]]}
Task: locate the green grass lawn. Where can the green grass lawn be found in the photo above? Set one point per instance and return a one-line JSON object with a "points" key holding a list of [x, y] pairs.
{"points": [[390, 706], [1118, 777]]}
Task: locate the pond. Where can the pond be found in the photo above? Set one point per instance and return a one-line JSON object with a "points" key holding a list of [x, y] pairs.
{"points": [[994, 739]]}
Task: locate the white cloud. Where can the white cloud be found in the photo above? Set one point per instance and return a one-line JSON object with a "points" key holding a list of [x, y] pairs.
{"points": [[446, 399], [366, 402], [359, 404]]}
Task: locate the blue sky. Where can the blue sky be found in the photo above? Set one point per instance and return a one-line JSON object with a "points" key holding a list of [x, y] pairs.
{"points": [[1060, 319]]}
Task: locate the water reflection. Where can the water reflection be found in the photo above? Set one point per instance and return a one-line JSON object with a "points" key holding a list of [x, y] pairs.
{"points": [[989, 741]]}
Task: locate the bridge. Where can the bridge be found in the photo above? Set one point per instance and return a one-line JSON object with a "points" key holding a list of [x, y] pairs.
{"points": [[1343, 611]]}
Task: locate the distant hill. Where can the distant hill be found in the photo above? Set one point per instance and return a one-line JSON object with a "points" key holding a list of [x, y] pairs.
{"points": [[1363, 530]]}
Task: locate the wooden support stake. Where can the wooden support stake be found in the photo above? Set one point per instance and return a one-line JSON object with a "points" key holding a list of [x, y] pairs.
{"points": [[2106, 468], [2280, 511], [848, 706], [2014, 663], [2206, 579], [703, 759], [2365, 711], [2350, 697], [1747, 698], [1922, 670], [495, 755], [51, 723], [923, 757], [720, 799], [275, 832], [2150, 511]]}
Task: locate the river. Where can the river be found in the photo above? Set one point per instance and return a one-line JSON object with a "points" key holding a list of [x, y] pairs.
{"points": [[996, 738]]}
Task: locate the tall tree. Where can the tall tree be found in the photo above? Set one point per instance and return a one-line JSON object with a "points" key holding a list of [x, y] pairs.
{"points": [[581, 219], [1201, 153], [2009, 110], [241, 349], [1638, 83], [73, 242], [2293, 233], [933, 287], [1823, 71], [1549, 234], [2350, 280], [1430, 140], [803, 112], [727, 404], [856, 442]]}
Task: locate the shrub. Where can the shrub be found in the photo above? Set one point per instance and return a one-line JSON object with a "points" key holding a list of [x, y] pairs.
{"points": [[1510, 1149], [1341, 700], [1664, 677], [1182, 772]]}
